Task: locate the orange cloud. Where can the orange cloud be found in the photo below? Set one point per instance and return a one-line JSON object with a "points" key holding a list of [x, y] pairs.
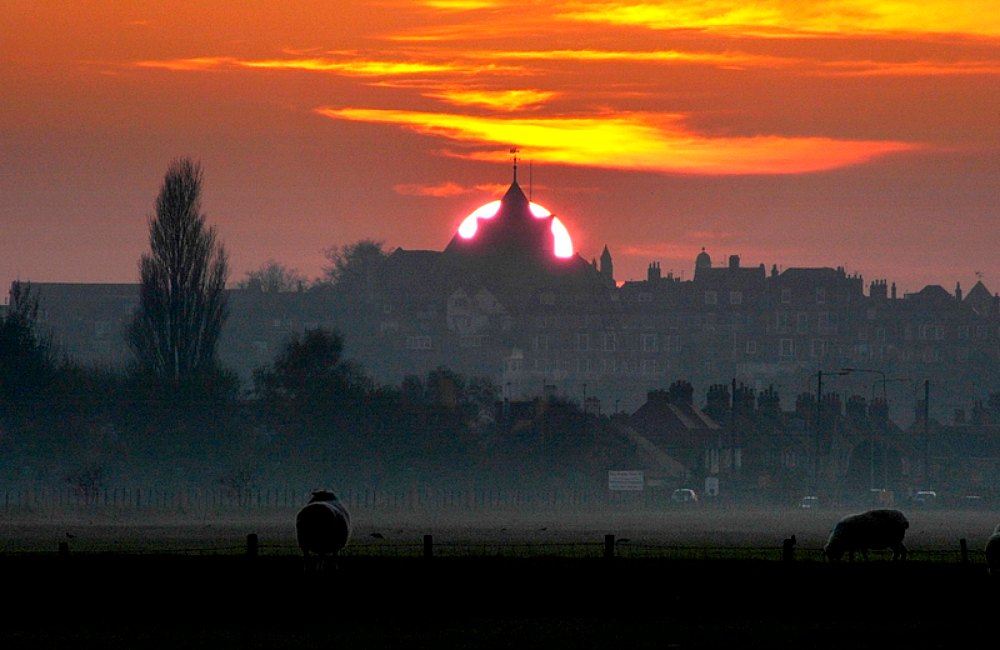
{"points": [[459, 5], [784, 17], [504, 100], [440, 190], [909, 68], [357, 67], [722, 59], [636, 141], [191, 64]]}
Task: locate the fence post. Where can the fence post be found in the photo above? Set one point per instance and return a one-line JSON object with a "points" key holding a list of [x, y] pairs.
{"points": [[609, 547], [965, 550], [788, 549], [252, 545], [428, 547]]}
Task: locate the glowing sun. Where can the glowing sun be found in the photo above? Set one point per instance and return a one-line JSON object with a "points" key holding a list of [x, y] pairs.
{"points": [[563, 244]]}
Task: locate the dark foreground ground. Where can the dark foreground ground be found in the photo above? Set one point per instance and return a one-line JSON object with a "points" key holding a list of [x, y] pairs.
{"points": [[165, 601]]}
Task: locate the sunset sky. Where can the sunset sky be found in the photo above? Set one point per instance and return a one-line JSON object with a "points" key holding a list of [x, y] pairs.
{"points": [[791, 133]]}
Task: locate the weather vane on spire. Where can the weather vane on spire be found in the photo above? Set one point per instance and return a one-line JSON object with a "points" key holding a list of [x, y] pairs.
{"points": [[514, 151]]}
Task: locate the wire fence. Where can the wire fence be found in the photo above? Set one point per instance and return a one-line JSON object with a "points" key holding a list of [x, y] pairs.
{"points": [[48, 498], [36, 502]]}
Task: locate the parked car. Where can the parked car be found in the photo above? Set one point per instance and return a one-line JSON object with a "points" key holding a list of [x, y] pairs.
{"points": [[684, 495], [809, 502], [973, 502], [924, 498]]}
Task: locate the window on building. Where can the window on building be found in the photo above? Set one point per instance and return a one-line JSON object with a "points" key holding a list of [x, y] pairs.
{"points": [[783, 321], [418, 343], [541, 342], [786, 296], [711, 298], [823, 321], [735, 297], [817, 348], [787, 349], [820, 295], [582, 341], [645, 296], [649, 342], [650, 367], [751, 346], [802, 323], [610, 342]]}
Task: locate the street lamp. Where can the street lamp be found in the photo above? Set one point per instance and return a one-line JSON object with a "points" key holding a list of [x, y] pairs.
{"points": [[927, 433]]}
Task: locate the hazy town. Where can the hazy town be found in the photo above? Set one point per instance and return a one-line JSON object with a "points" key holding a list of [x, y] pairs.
{"points": [[499, 324]]}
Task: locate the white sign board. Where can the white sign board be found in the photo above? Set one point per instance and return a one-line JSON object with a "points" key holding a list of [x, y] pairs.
{"points": [[627, 480]]}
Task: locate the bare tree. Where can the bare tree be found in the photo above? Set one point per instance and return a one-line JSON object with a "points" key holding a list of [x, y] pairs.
{"points": [[351, 267], [182, 303], [273, 277]]}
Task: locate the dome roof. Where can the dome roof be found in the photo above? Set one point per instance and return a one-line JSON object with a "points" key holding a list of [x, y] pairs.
{"points": [[511, 225], [703, 261]]}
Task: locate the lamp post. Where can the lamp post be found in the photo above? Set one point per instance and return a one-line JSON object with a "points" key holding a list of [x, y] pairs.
{"points": [[927, 434]]}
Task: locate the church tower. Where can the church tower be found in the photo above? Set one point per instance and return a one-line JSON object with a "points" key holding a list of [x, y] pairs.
{"points": [[607, 266]]}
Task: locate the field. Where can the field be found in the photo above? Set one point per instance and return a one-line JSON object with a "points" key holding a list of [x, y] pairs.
{"points": [[679, 578]]}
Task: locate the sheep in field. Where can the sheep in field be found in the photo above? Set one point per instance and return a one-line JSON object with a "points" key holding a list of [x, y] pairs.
{"points": [[873, 529], [323, 528], [992, 551]]}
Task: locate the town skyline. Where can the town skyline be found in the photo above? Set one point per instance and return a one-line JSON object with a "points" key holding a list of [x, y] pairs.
{"points": [[859, 135]]}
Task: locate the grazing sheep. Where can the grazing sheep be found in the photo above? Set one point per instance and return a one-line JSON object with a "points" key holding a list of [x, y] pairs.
{"points": [[323, 528], [873, 529], [992, 551]]}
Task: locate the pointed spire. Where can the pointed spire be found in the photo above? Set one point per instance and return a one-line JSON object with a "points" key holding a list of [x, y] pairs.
{"points": [[514, 150]]}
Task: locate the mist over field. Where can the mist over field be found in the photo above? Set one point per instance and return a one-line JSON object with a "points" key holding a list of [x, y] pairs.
{"points": [[743, 531]]}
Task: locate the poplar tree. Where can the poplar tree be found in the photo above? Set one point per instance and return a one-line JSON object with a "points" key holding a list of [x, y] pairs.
{"points": [[175, 329]]}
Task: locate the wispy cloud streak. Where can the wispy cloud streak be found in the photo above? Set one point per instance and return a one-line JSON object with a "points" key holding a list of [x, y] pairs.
{"points": [[637, 141]]}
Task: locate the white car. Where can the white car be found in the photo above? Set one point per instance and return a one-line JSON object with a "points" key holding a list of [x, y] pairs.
{"points": [[808, 503], [684, 495]]}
